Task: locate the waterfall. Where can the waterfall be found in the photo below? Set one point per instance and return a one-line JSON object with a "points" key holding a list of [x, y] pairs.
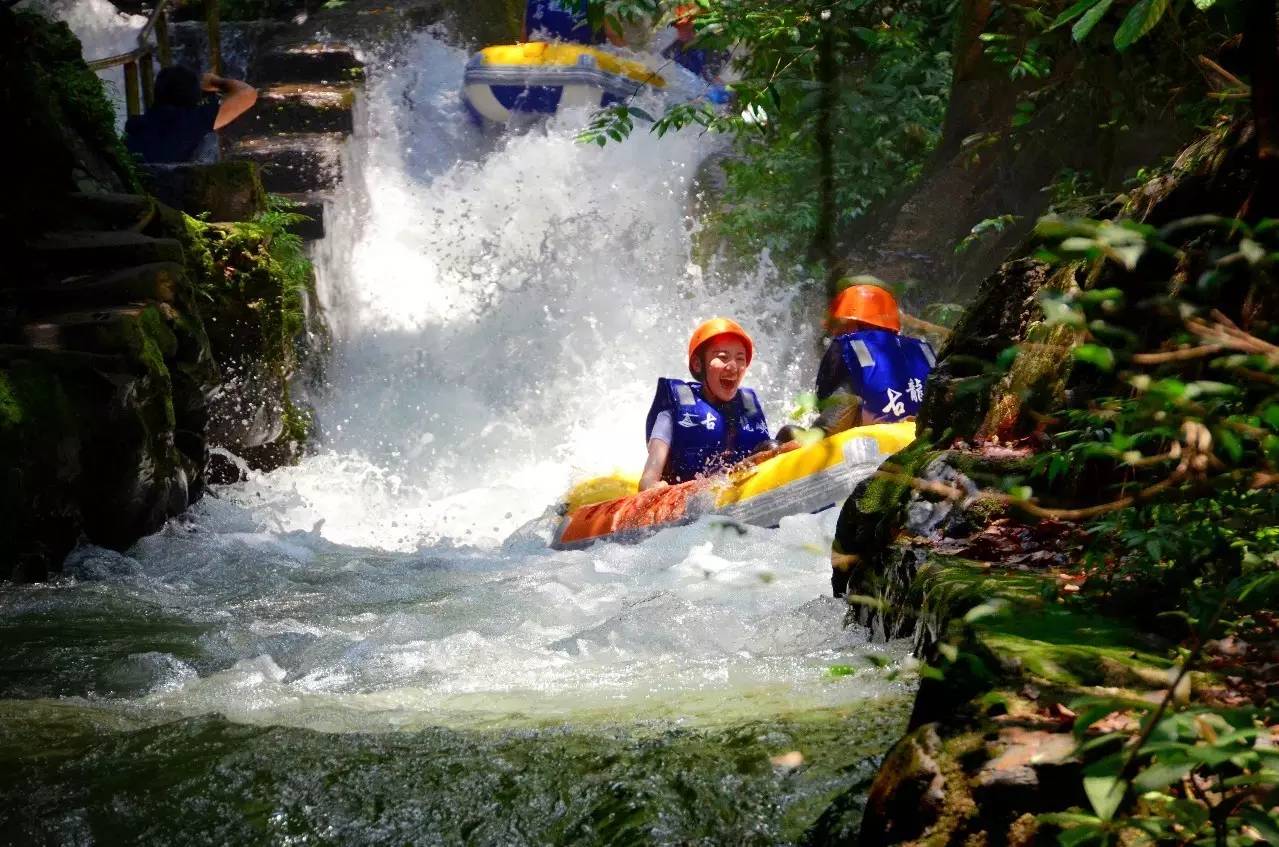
{"points": [[502, 307]]}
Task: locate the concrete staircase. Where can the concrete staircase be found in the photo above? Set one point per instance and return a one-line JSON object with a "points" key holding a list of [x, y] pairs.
{"points": [[306, 91], [99, 273]]}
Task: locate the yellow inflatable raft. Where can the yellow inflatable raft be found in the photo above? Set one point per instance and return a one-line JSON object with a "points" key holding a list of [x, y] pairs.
{"points": [[541, 77], [809, 479]]}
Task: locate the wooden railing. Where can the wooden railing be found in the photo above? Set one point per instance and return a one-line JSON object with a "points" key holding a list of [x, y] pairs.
{"points": [[139, 69]]}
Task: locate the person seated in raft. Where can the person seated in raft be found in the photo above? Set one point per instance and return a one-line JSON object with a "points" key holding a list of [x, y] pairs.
{"points": [[179, 124], [695, 428], [871, 373], [563, 20]]}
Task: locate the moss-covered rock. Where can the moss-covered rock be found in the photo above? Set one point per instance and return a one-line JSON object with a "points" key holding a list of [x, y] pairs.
{"points": [[108, 367], [60, 125], [985, 753], [221, 191], [89, 443], [257, 285]]}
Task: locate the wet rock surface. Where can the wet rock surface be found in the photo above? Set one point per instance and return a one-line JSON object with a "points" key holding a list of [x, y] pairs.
{"points": [[110, 387], [220, 191]]}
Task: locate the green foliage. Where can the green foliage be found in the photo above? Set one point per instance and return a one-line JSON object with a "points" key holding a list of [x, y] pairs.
{"points": [[285, 256], [10, 409], [257, 279], [1178, 447], [1196, 776], [1139, 19], [1022, 58], [1186, 433], [985, 227], [890, 98]]}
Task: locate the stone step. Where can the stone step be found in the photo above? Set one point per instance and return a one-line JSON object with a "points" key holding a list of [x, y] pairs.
{"points": [[89, 251], [331, 62], [311, 204], [294, 163], [296, 107], [109, 211], [115, 330], [158, 281], [69, 361]]}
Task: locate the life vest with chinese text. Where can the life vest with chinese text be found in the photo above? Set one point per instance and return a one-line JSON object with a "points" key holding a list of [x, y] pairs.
{"points": [[705, 437], [887, 371]]}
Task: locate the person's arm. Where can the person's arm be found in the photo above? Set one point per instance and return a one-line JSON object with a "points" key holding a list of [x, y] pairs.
{"points": [[840, 411], [237, 97], [658, 452], [838, 400]]}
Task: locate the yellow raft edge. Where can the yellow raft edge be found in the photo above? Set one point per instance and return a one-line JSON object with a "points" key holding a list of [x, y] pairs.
{"points": [[549, 54], [767, 476]]}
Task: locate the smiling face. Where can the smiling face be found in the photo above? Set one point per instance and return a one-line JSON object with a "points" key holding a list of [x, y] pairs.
{"points": [[721, 365]]}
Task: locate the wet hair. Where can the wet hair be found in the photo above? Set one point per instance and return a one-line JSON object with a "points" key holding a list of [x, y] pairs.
{"points": [[178, 86]]}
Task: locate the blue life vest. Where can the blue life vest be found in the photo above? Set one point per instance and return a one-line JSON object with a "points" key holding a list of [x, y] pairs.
{"points": [[691, 58], [705, 438], [887, 370], [558, 20]]}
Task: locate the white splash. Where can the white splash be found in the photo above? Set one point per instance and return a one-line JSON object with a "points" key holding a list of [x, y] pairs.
{"points": [[502, 308]]}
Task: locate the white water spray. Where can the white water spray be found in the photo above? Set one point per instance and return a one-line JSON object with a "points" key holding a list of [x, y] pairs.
{"points": [[502, 309]]}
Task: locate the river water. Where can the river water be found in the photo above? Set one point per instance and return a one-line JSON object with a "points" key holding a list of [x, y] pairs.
{"points": [[376, 646]]}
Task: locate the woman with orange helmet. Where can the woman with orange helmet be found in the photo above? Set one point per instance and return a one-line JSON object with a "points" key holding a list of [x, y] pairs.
{"points": [[710, 423], [870, 373]]}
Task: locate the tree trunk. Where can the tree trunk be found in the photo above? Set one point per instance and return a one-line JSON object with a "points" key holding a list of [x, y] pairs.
{"points": [[824, 240], [1262, 48]]}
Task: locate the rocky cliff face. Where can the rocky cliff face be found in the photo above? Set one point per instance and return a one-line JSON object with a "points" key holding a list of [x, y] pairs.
{"points": [[111, 386]]}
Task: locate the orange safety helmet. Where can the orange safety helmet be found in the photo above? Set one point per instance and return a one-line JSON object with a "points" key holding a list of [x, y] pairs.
{"points": [[718, 326], [684, 15], [869, 304]]}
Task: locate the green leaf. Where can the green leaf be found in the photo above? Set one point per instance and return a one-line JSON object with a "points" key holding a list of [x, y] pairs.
{"points": [[1256, 818], [1230, 444], [1205, 5], [984, 610], [1252, 251], [1072, 13], [1100, 357], [1103, 786], [1141, 19], [1085, 24], [1160, 776], [1270, 415], [1060, 312]]}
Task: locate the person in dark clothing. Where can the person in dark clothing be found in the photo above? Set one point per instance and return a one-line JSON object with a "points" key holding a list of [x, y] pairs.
{"points": [[180, 119]]}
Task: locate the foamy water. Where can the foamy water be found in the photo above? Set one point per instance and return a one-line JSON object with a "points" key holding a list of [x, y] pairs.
{"points": [[502, 306], [376, 646]]}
